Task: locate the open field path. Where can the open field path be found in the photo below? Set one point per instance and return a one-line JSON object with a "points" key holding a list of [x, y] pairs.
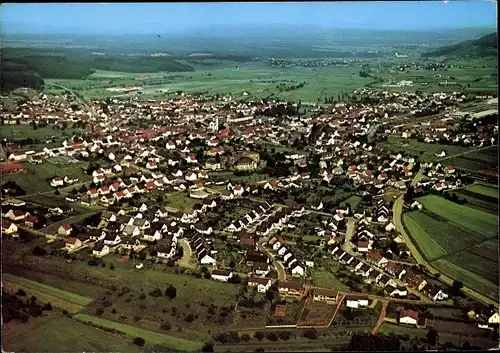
{"points": [[466, 152], [381, 317], [398, 222]]}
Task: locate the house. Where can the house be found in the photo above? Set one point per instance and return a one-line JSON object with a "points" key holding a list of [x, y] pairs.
{"points": [[16, 215], [255, 256], [376, 258], [131, 230], [226, 195], [112, 239], [238, 190], [151, 165], [18, 156], [190, 176], [290, 288], [276, 243], [205, 258], [245, 164], [100, 249], [221, 275], [57, 182], [363, 246], [399, 292], [435, 293], [325, 295], [30, 221], [408, 317], [8, 228], [356, 301], [414, 280], [261, 268], [72, 243], [165, 249], [247, 243], [262, 284], [65, 230], [297, 270]]}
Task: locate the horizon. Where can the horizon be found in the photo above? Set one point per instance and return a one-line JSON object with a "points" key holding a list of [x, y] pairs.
{"points": [[188, 18]]}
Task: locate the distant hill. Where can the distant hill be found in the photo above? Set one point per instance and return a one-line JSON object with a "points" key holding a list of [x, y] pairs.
{"points": [[485, 46]]}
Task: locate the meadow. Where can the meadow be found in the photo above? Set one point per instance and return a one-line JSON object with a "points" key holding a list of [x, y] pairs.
{"points": [[57, 333], [178, 344], [484, 159], [459, 240], [483, 197], [426, 151]]}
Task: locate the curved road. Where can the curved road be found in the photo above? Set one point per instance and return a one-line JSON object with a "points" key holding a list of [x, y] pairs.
{"points": [[397, 220], [278, 265]]}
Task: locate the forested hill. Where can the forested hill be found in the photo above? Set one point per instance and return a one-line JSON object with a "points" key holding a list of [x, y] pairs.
{"points": [[27, 67], [485, 46]]}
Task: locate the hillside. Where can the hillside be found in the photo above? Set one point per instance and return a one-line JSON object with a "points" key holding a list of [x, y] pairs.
{"points": [[27, 67], [485, 46]]}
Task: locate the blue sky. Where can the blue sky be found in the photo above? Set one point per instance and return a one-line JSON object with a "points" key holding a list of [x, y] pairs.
{"points": [[128, 18]]}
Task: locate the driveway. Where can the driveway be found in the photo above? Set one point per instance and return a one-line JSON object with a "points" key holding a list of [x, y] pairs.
{"points": [[278, 265], [185, 261]]}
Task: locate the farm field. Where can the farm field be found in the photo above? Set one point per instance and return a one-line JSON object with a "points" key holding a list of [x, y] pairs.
{"points": [[54, 292], [413, 147], [483, 197], [459, 240], [485, 159], [444, 337], [149, 336], [326, 279], [26, 131], [75, 337], [255, 78]]}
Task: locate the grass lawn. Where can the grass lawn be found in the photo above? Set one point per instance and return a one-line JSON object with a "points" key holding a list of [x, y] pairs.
{"points": [[477, 160], [133, 332], [55, 333], [325, 278], [484, 189], [353, 201], [469, 278], [428, 150], [68, 296], [427, 245], [181, 201], [26, 131], [44, 297], [463, 217]]}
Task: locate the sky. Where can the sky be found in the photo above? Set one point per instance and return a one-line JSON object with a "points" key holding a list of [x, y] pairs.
{"points": [[130, 18]]}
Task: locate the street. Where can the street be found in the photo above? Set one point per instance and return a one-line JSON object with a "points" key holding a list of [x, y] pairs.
{"points": [[278, 265], [397, 220]]}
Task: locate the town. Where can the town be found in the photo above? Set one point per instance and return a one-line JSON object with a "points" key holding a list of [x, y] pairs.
{"points": [[252, 191]]}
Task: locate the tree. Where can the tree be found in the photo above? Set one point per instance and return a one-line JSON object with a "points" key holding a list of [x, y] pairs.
{"points": [[139, 341], [432, 337], [171, 292], [208, 347], [259, 335], [99, 311], [165, 325]]}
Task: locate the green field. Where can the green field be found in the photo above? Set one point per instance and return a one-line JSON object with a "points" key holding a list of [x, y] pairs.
{"points": [[61, 334], [133, 332], [426, 151], [257, 79], [459, 240], [483, 197], [26, 131], [326, 279], [485, 159], [353, 201], [58, 293], [428, 246]]}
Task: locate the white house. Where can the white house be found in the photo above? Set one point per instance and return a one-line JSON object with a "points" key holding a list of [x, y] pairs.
{"points": [[262, 284], [408, 317], [57, 182], [72, 243], [221, 275], [112, 239], [207, 260], [65, 229], [298, 270], [356, 302], [100, 249]]}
